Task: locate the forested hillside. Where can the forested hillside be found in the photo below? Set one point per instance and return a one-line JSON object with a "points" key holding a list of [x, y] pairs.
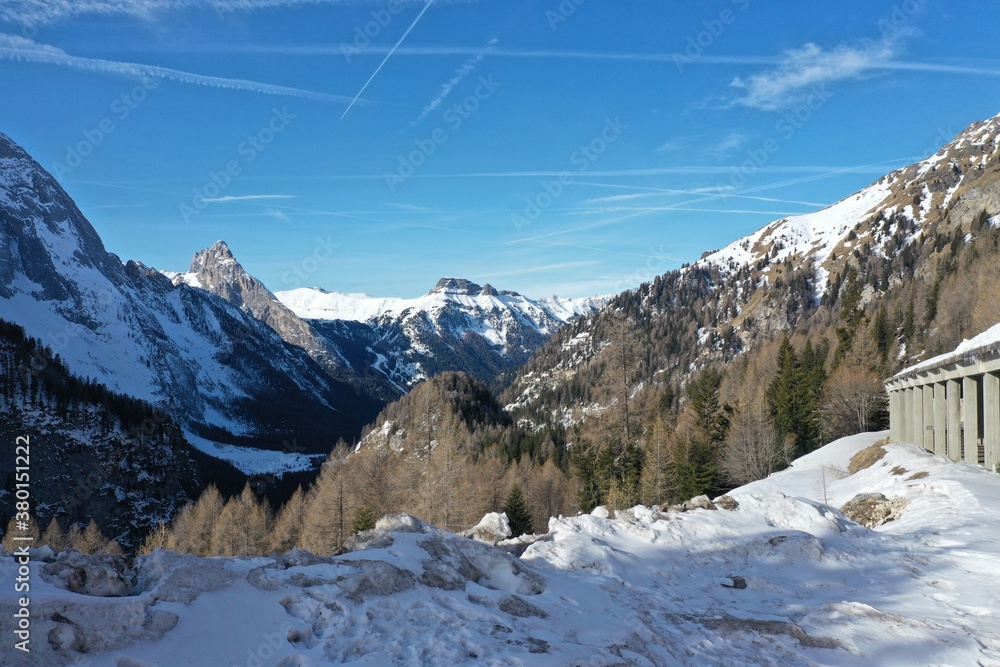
{"points": [[95, 455], [720, 372]]}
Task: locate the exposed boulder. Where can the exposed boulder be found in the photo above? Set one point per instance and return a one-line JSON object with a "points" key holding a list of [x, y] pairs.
{"points": [[873, 509]]}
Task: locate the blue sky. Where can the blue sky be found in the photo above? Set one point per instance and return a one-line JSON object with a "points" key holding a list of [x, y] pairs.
{"points": [[548, 146]]}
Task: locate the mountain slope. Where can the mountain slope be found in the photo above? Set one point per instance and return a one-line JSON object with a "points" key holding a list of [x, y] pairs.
{"points": [[457, 326], [93, 454], [217, 370], [216, 270], [912, 255]]}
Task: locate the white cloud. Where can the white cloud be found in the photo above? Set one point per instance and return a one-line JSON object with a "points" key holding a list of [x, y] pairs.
{"points": [[669, 146], [16, 48], [803, 69], [277, 214], [660, 192], [731, 143]]}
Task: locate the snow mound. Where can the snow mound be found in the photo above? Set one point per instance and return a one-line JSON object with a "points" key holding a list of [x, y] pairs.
{"points": [[491, 529], [778, 577]]}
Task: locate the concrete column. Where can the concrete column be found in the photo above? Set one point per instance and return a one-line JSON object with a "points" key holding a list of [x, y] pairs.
{"points": [[917, 420], [940, 420], [991, 421], [893, 417], [906, 409], [927, 441], [970, 411], [954, 398]]}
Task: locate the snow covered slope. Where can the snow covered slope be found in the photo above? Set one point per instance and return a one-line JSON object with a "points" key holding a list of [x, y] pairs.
{"points": [[213, 366], [458, 325], [783, 579], [922, 194], [319, 304]]}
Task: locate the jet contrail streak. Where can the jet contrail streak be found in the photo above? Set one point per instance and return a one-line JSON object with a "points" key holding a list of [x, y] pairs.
{"points": [[387, 56]]}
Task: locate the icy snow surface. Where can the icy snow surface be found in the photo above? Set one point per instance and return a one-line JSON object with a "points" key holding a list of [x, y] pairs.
{"points": [[988, 339], [251, 461], [784, 579]]}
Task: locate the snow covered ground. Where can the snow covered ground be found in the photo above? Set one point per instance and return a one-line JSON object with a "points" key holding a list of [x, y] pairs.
{"points": [[782, 579]]}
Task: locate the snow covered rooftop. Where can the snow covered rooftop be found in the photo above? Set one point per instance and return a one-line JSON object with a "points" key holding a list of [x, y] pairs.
{"points": [[985, 344]]}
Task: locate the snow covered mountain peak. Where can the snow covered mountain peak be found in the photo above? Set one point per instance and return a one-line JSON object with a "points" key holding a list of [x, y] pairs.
{"points": [[458, 325], [947, 187], [457, 286], [462, 286], [129, 328]]}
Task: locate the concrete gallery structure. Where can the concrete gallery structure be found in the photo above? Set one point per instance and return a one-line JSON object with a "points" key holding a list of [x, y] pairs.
{"points": [[951, 404]]}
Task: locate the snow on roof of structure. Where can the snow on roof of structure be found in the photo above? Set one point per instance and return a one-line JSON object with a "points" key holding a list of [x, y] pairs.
{"points": [[985, 343]]}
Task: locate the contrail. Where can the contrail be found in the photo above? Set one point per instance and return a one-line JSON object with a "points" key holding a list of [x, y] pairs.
{"points": [[13, 47], [387, 56]]}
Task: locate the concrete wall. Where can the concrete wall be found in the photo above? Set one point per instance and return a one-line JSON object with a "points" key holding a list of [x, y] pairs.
{"points": [[951, 410]]}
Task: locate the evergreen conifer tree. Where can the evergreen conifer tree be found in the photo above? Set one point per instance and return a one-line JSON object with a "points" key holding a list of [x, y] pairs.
{"points": [[518, 516], [364, 519]]}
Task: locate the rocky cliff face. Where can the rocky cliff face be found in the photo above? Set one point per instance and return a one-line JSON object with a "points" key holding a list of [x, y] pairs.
{"points": [[220, 371], [216, 270]]}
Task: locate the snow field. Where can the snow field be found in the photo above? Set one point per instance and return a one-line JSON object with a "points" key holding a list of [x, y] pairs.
{"points": [[782, 579]]}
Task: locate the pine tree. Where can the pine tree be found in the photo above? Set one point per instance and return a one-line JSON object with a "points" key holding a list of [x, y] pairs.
{"points": [[659, 472], [712, 415], [364, 519], [54, 537], [158, 538], [90, 540], [909, 323], [883, 334], [518, 516], [287, 524], [590, 494], [324, 520], [850, 314], [191, 531]]}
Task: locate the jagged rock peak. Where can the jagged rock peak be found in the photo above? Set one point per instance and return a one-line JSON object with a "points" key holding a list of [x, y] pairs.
{"points": [[457, 286], [216, 255], [463, 286]]}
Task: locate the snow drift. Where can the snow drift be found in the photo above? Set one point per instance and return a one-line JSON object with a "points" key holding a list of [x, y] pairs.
{"points": [[783, 578]]}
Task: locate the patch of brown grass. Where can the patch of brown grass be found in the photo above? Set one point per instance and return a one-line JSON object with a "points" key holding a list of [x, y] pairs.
{"points": [[866, 458], [917, 475], [898, 470]]}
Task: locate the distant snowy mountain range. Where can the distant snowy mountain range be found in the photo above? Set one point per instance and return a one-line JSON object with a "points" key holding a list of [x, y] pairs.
{"points": [[387, 345], [237, 367], [458, 325]]}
